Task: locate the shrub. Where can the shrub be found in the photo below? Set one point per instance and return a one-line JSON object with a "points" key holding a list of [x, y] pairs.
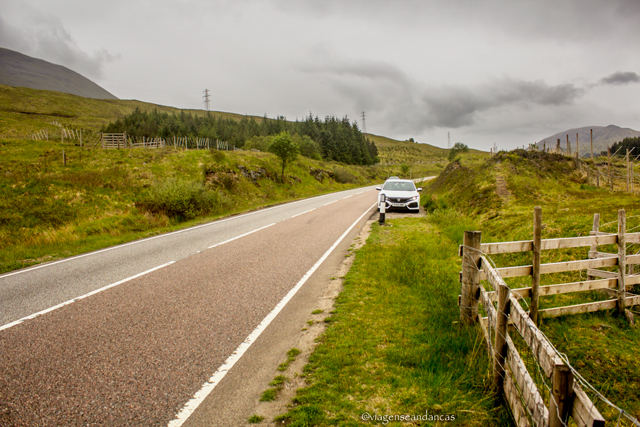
{"points": [[178, 198], [458, 147], [343, 176]]}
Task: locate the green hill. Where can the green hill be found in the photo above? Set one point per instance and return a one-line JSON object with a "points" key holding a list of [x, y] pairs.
{"points": [[496, 195], [25, 111]]}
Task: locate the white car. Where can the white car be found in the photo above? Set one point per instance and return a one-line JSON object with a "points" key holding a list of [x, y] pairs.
{"points": [[399, 194]]}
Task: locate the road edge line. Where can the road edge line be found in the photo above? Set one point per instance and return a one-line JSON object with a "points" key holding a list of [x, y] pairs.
{"points": [[206, 389]]}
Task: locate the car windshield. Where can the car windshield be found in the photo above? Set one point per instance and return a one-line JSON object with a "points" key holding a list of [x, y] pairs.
{"points": [[399, 186]]}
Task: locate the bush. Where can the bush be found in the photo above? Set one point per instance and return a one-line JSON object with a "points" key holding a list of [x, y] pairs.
{"points": [[179, 198], [458, 147], [343, 176]]}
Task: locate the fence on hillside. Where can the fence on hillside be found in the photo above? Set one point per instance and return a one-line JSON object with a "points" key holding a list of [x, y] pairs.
{"points": [[601, 170], [566, 396], [82, 137], [122, 140]]}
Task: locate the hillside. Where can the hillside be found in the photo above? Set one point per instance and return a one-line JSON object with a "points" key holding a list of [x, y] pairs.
{"points": [[24, 111], [20, 70], [496, 196], [394, 152], [603, 137]]}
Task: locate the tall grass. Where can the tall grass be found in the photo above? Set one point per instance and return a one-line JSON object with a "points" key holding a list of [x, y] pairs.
{"points": [[601, 346], [394, 345]]}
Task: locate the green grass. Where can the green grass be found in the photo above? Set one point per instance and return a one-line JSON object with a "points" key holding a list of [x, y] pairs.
{"points": [[393, 345], [106, 197], [291, 356], [255, 419], [601, 346]]}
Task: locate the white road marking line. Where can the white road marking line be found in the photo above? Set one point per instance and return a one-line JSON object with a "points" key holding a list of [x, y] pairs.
{"points": [[242, 235], [326, 204], [71, 301], [36, 267], [351, 195], [302, 213], [208, 387]]}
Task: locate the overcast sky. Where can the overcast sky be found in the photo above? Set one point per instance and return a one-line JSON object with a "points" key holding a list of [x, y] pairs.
{"points": [[501, 72]]}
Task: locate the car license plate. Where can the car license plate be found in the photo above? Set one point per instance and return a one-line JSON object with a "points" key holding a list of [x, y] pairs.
{"points": [[397, 205]]}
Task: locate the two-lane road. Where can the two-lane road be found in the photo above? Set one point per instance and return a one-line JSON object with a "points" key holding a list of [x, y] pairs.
{"points": [[165, 318]]}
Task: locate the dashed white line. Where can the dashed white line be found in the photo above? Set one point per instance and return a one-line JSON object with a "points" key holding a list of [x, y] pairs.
{"points": [[242, 235], [71, 301], [351, 195], [302, 213], [326, 204], [208, 387]]}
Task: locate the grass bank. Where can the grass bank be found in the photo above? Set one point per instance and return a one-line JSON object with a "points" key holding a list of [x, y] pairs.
{"points": [[394, 352], [499, 193], [394, 347], [50, 210]]}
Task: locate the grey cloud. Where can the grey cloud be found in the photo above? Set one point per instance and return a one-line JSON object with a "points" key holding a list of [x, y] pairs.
{"points": [[621, 78], [380, 87], [47, 38], [457, 106]]}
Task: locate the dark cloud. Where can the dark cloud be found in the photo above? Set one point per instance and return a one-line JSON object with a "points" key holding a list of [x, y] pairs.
{"points": [[457, 106], [377, 86], [621, 78], [46, 38]]}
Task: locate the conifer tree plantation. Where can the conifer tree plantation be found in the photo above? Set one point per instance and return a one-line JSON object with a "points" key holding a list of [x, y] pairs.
{"points": [[328, 139]]}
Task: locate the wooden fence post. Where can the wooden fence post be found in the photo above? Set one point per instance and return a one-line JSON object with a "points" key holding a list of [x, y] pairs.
{"points": [[561, 396], [591, 145], [470, 277], [535, 278], [568, 146], [628, 172], [622, 255], [500, 347], [577, 150], [609, 166]]}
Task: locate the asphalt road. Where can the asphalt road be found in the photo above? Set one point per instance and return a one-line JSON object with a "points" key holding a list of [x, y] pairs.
{"points": [[31, 290], [166, 318]]}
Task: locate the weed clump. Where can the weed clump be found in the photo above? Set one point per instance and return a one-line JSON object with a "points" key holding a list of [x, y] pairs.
{"points": [[179, 199], [343, 176]]}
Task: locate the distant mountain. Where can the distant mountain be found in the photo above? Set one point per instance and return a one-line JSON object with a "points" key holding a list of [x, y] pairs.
{"points": [[20, 70], [603, 137]]}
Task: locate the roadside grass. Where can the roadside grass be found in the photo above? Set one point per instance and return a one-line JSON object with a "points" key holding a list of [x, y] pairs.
{"points": [[393, 344], [107, 197], [601, 346]]}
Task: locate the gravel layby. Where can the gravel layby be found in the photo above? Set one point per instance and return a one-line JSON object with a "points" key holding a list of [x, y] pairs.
{"points": [[134, 354]]}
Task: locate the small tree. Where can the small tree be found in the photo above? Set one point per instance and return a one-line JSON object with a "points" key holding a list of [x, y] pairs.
{"points": [[458, 147], [283, 146]]}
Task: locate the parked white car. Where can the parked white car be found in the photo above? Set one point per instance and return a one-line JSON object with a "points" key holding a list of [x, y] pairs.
{"points": [[399, 194]]}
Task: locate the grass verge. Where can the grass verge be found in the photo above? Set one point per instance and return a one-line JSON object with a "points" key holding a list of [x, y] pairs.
{"points": [[393, 346]]}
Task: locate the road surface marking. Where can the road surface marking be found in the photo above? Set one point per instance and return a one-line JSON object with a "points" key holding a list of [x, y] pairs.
{"points": [[302, 213], [242, 235], [327, 204], [55, 307], [36, 267], [208, 387]]}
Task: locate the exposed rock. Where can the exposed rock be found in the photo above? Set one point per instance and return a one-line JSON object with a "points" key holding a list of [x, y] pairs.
{"points": [[320, 174], [254, 176]]}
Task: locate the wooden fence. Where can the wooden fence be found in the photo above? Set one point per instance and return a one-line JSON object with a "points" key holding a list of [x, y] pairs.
{"points": [[566, 396], [122, 140], [601, 170]]}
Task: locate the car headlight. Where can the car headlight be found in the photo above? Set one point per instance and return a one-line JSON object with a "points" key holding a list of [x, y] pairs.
{"points": [[414, 198]]}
